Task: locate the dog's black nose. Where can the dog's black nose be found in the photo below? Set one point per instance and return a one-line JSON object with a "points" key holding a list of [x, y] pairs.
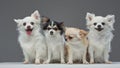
{"points": [[65, 39], [28, 27], [51, 32], [99, 26]]}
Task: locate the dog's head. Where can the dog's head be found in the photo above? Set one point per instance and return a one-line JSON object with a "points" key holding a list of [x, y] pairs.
{"points": [[100, 23], [53, 28], [71, 38], [74, 34], [29, 24]]}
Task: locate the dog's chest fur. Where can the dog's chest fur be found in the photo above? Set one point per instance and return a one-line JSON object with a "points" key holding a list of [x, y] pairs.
{"points": [[55, 43], [77, 49], [28, 44], [100, 42]]}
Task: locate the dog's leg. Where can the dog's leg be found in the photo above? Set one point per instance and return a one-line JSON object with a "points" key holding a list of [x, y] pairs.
{"points": [[26, 58], [90, 49], [84, 55], [49, 56], [62, 55], [37, 58], [38, 52], [70, 56], [106, 55]]}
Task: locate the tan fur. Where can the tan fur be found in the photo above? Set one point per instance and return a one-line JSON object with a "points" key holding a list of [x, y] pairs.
{"points": [[66, 50], [73, 32], [83, 34]]}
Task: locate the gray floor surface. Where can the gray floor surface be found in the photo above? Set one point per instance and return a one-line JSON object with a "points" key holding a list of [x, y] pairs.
{"points": [[21, 65]]}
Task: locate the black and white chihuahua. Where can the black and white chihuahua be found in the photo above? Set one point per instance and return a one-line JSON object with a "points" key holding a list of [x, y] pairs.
{"points": [[54, 34]]}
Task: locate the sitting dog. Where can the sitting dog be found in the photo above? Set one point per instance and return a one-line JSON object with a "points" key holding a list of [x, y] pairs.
{"points": [[100, 36], [76, 45], [30, 39], [54, 34]]}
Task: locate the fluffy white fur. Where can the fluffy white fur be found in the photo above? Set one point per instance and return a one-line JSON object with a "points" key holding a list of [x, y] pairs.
{"points": [[100, 41], [33, 46], [55, 44], [77, 46]]}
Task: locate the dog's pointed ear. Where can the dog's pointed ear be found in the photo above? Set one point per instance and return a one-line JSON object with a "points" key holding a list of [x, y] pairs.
{"points": [[36, 14], [17, 20], [83, 33], [62, 26], [62, 23], [89, 16], [111, 20], [45, 19]]}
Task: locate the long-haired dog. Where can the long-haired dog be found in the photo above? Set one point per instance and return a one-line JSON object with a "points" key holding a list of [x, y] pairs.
{"points": [[76, 45], [54, 34], [31, 40], [100, 36]]}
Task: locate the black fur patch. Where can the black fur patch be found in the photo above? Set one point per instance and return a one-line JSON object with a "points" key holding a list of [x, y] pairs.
{"points": [[58, 24]]}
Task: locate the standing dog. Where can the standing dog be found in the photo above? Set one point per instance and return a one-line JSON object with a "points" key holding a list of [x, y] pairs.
{"points": [[76, 45], [100, 37], [31, 40], [54, 34]]}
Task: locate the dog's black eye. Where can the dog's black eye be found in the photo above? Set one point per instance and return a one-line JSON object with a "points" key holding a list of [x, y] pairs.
{"points": [[32, 23], [70, 37], [48, 28], [55, 29], [24, 24], [95, 23], [103, 23]]}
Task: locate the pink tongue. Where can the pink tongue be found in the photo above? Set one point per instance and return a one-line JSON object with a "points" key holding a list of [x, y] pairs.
{"points": [[29, 32]]}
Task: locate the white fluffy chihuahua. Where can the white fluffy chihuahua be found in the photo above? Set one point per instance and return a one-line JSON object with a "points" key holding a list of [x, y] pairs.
{"points": [[30, 39], [100, 36]]}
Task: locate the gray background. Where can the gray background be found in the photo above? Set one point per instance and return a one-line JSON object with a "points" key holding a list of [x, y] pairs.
{"points": [[72, 12]]}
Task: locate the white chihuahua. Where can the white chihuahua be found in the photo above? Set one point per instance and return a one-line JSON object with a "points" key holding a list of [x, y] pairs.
{"points": [[100, 36], [31, 40]]}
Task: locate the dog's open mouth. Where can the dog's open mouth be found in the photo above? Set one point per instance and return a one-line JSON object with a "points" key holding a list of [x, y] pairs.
{"points": [[29, 31], [99, 29]]}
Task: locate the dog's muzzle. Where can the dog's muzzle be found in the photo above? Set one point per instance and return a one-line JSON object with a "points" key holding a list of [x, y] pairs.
{"points": [[29, 30], [51, 32], [99, 29]]}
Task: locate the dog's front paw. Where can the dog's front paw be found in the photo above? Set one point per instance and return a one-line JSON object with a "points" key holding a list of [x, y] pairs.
{"points": [[26, 62], [108, 62], [37, 61], [62, 62], [85, 62], [91, 62], [70, 62]]}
